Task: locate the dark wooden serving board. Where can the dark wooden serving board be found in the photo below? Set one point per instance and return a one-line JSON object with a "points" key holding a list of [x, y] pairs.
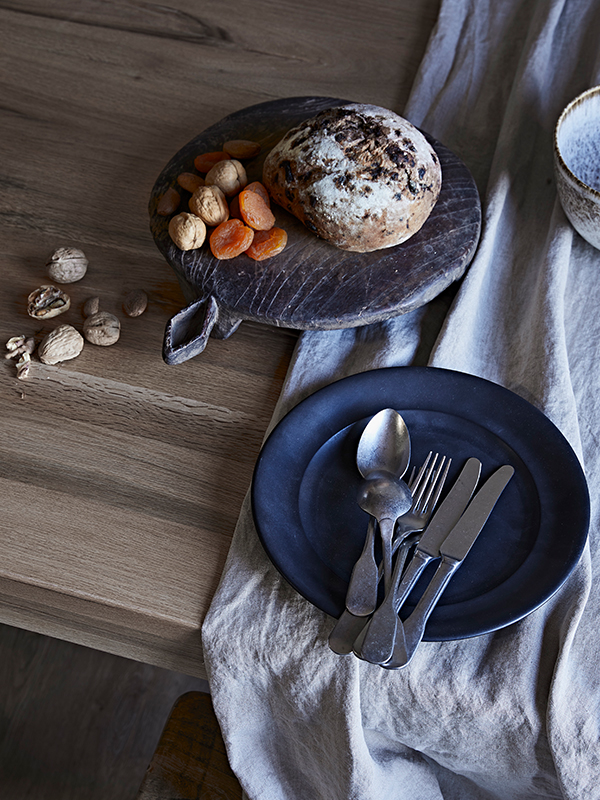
{"points": [[311, 285]]}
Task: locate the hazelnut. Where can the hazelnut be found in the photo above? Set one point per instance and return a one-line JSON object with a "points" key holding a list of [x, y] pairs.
{"points": [[187, 231], [61, 344], [229, 176], [210, 204], [91, 306], [135, 303], [102, 328], [67, 265], [47, 302], [241, 148]]}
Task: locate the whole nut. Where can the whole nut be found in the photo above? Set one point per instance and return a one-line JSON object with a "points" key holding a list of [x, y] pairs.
{"points": [[190, 181], [187, 231], [47, 302], [61, 344], [102, 328], [210, 204], [241, 148], [67, 265], [230, 176], [91, 306], [135, 303], [168, 203]]}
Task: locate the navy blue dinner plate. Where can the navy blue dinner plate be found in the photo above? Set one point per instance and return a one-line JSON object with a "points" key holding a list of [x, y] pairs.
{"points": [[306, 482]]}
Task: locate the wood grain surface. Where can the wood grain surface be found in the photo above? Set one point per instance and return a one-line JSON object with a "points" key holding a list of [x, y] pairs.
{"points": [[313, 285], [122, 477], [190, 760]]}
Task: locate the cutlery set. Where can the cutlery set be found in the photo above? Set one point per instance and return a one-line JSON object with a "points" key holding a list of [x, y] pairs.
{"points": [[406, 522]]}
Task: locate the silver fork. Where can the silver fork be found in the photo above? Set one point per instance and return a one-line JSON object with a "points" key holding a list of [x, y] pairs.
{"points": [[426, 488], [377, 642]]}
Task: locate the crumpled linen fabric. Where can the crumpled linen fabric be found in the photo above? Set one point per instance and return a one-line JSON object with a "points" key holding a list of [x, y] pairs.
{"points": [[512, 715]]}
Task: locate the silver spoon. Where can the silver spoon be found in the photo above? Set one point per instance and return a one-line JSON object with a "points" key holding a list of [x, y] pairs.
{"points": [[386, 499], [383, 453], [384, 446]]}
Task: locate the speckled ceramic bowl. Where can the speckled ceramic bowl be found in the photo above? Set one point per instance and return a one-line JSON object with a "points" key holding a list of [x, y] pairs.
{"points": [[577, 163]]}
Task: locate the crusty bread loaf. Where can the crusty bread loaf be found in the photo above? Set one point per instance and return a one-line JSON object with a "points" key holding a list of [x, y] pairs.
{"points": [[359, 176]]}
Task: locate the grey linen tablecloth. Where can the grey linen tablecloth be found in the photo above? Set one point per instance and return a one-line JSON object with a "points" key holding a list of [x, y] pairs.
{"points": [[513, 714]]}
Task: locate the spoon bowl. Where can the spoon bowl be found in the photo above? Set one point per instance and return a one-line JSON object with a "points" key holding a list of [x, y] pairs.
{"points": [[384, 498], [384, 447]]}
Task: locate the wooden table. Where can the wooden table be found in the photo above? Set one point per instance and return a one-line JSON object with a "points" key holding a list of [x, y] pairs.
{"points": [[122, 478]]}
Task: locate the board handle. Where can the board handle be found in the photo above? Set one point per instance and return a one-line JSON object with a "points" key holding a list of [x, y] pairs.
{"points": [[187, 332]]}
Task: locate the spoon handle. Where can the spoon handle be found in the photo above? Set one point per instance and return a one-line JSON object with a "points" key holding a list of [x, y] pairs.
{"points": [[361, 597], [348, 627], [386, 532], [378, 642]]}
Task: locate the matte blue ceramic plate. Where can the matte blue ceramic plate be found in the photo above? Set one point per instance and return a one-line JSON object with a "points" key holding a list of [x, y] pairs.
{"points": [[306, 482]]}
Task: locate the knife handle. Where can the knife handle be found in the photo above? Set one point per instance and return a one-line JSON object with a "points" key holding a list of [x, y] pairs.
{"points": [[416, 566], [414, 626], [361, 597]]}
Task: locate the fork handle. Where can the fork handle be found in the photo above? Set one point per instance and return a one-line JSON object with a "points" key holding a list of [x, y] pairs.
{"points": [[417, 564]]}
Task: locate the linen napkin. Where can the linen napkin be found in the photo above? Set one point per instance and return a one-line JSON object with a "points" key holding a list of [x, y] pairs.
{"points": [[512, 715]]}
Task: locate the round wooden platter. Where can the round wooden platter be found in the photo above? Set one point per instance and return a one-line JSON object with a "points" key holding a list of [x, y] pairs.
{"points": [[311, 285]]}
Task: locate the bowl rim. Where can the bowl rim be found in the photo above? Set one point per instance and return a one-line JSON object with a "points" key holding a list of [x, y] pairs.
{"points": [[593, 90]]}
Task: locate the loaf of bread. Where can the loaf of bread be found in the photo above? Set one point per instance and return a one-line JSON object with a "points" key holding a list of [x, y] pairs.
{"points": [[359, 176]]}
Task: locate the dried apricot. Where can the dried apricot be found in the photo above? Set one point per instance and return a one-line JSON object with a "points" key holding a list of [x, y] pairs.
{"points": [[255, 212], [206, 161], [267, 244], [259, 188], [230, 239]]}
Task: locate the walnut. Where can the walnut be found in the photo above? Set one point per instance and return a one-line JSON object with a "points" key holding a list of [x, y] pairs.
{"points": [[229, 176], [67, 265], [102, 328], [47, 301], [61, 344], [135, 303], [210, 204], [187, 231]]}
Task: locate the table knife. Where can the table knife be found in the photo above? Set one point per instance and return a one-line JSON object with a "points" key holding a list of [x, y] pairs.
{"points": [[453, 550], [377, 643]]}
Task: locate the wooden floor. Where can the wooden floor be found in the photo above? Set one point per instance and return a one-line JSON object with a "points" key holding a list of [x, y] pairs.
{"points": [[76, 723]]}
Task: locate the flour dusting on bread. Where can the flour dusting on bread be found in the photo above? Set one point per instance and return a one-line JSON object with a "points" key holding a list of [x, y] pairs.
{"points": [[359, 176]]}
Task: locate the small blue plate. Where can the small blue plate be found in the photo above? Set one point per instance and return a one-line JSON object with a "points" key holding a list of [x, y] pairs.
{"points": [[306, 482]]}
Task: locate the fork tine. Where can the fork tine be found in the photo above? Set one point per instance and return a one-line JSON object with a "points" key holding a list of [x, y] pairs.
{"points": [[415, 483], [424, 488], [436, 486]]}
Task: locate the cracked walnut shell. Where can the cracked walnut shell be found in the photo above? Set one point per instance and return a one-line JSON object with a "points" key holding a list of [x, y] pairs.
{"points": [[47, 302]]}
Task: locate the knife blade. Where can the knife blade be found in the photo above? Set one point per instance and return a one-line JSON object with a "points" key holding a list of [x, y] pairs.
{"points": [[442, 522], [453, 550], [377, 643]]}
